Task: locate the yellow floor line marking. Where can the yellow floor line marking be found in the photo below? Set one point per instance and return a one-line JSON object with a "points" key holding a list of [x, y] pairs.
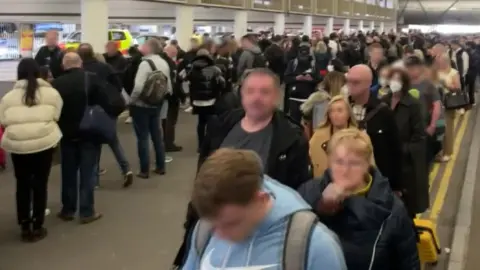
{"points": [[445, 180]]}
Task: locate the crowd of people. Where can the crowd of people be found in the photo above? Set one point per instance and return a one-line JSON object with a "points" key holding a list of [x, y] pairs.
{"points": [[338, 174]]}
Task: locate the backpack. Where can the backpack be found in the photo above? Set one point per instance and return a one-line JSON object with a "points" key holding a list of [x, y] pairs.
{"points": [[297, 239], [259, 61], [155, 88], [295, 64]]}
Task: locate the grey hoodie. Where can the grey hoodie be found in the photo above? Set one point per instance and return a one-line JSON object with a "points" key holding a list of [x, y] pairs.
{"points": [[247, 59]]}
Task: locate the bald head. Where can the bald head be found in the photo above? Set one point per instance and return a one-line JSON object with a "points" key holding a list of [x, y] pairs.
{"points": [[359, 79], [71, 60], [171, 51]]}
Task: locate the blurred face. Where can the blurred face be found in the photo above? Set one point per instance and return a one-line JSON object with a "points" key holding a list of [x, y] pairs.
{"points": [[441, 63], [338, 114], [259, 95], [51, 38], [171, 51], [357, 84], [369, 40], [415, 72], [347, 168], [111, 48], [238, 222], [383, 73], [376, 55]]}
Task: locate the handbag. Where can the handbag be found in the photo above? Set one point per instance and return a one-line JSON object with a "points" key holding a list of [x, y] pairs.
{"points": [[455, 100], [96, 124]]}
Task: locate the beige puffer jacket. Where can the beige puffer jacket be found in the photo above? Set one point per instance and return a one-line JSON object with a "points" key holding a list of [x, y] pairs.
{"points": [[30, 129]]}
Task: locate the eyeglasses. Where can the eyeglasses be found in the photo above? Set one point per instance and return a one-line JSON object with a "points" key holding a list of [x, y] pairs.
{"points": [[351, 164]]}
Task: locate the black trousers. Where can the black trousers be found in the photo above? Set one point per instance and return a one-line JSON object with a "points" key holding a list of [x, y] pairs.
{"points": [[470, 82], [32, 172], [171, 122]]}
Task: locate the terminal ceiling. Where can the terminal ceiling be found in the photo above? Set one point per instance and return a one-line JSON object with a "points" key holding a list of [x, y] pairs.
{"points": [[439, 12]]}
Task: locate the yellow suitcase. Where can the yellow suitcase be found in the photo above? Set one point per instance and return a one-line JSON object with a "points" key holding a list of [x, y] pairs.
{"points": [[428, 244]]}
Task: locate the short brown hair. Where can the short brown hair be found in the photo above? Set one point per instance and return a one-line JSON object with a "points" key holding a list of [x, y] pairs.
{"points": [[375, 45], [228, 176]]}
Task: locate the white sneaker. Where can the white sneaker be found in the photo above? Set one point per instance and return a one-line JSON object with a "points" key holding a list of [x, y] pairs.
{"points": [[189, 109], [168, 159], [128, 120], [47, 212]]}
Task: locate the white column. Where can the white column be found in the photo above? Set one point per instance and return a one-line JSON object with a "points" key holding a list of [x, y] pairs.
{"points": [[307, 25], [360, 25], [346, 26], [329, 28], [372, 26], [94, 20], [184, 25], [279, 27], [381, 28], [240, 24]]}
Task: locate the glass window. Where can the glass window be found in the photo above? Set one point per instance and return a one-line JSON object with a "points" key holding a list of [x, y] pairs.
{"points": [[389, 3], [117, 35], [75, 37]]}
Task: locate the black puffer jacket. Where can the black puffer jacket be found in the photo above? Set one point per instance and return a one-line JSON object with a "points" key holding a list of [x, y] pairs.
{"points": [[206, 80], [375, 230]]}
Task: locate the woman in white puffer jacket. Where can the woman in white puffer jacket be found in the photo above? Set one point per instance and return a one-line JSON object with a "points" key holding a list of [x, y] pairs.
{"points": [[29, 113]]}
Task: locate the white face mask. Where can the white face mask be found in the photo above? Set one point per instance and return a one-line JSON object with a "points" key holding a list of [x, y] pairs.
{"points": [[383, 82], [330, 68], [395, 86]]}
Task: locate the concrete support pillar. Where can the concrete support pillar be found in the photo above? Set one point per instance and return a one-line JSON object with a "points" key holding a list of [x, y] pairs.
{"points": [[94, 20], [329, 28], [307, 25], [381, 28], [372, 26], [360, 25], [279, 27], [346, 26], [184, 25], [240, 24]]}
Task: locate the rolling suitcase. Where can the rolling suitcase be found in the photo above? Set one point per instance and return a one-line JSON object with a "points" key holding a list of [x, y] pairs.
{"points": [[428, 244]]}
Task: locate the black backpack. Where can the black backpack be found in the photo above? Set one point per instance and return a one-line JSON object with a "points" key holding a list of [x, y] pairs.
{"points": [[259, 61]]}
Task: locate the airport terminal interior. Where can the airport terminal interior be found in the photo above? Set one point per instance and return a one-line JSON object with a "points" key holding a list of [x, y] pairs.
{"points": [[142, 227]]}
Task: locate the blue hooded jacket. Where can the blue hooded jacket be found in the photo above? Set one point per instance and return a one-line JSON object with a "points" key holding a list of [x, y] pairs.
{"points": [[375, 230], [264, 249]]}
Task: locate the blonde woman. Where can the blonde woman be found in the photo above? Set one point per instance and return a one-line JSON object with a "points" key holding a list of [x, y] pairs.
{"points": [[338, 116], [449, 80], [313, 110], [355, 201]]}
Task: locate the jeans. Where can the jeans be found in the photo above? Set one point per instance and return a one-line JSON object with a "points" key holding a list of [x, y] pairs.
{"points": [[79, 171], [202, 127], [32, 172], [146, 122], [119, 154]]}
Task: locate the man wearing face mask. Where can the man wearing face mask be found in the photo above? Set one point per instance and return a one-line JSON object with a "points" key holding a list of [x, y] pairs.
{"points": [[301, 79]]}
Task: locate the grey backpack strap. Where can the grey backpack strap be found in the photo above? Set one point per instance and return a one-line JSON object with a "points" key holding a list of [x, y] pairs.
{"points": [[297, 240], [151, 64], [202, 236]]}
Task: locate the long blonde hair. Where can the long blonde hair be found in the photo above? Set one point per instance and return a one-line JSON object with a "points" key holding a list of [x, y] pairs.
{"points": [[333, 83], [352, 123], [321, 47]]}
